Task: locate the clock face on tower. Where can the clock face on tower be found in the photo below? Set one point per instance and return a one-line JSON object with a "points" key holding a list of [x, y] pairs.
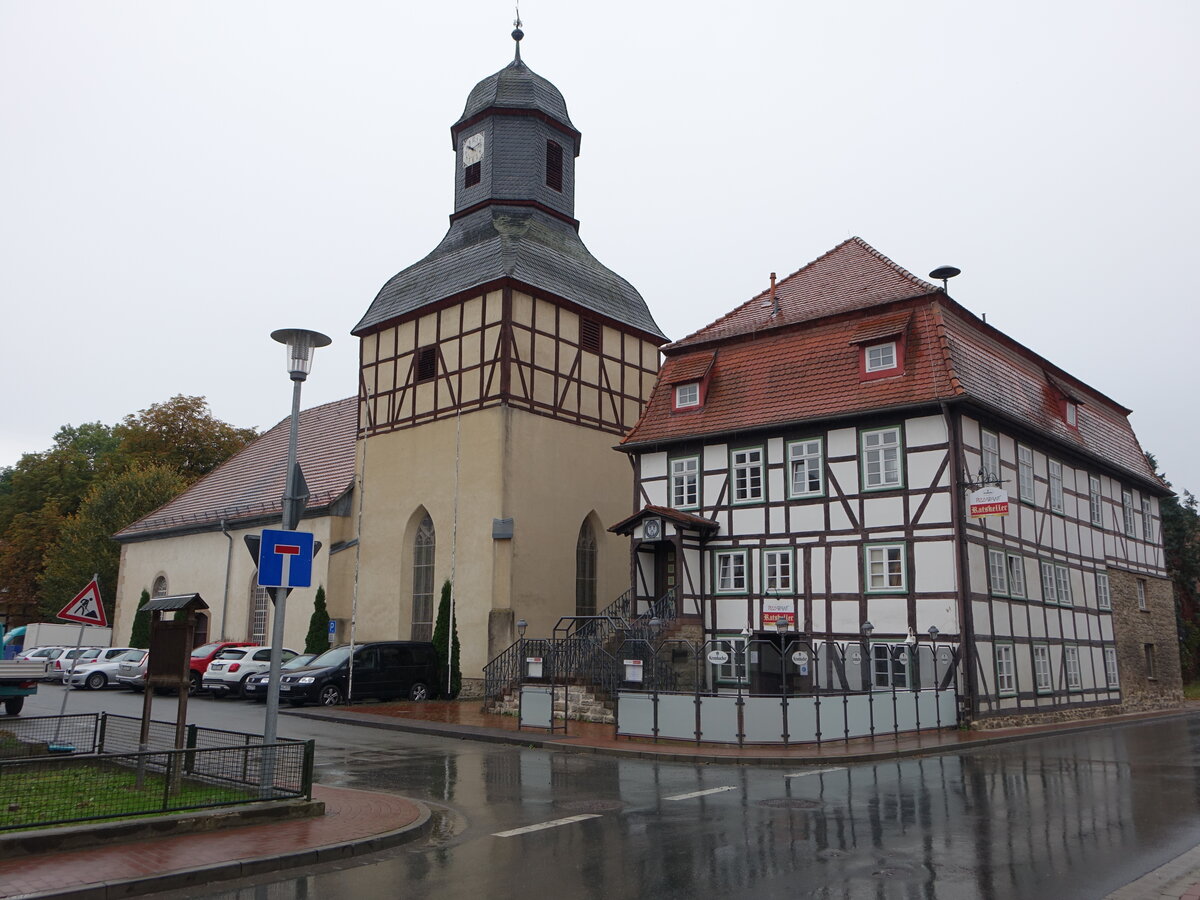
{"points": [[472, 150]]}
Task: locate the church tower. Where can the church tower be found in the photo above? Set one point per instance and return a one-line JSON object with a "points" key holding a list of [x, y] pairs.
{"points": [[497, 374]]}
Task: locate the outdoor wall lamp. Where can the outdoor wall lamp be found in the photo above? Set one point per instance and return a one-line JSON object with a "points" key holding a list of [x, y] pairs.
{"points": [[781, 625], [867, 629], [521, 626], [933, 632]]}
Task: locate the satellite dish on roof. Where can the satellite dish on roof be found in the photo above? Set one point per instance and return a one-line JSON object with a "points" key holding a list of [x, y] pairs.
{"points": [[944, 274]]}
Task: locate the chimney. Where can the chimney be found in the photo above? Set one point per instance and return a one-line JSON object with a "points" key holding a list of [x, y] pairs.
{"points": [[774, 299]]}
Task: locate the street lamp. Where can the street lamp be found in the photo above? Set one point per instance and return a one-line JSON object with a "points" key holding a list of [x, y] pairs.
{"points": [[933, 634], [300, 346]]}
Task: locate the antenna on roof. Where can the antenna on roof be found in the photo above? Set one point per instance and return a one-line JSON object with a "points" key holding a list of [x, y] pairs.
{"points": [[944, 274], [774, 299]]}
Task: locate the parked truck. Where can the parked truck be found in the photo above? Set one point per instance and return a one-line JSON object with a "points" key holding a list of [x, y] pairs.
{"points": [[17, 681], [64, 634]]}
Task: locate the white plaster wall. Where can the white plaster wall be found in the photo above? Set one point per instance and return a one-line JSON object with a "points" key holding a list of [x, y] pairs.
{"points": [[935, 568], [844, 570], [925, 430]]}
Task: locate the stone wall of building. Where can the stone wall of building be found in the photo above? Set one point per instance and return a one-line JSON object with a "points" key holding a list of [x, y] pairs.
{"points": [[1135, 629]]}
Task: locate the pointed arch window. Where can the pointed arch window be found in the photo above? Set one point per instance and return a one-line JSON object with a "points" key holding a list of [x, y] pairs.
{"points": [[422, 589], [160, 587], [585, 571], [260, 611]]}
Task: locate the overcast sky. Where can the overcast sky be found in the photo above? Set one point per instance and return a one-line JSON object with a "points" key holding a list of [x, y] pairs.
{"points": [[178, 179]]}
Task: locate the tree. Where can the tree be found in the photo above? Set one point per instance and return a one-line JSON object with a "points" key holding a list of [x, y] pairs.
{"points": [[139, 636], [85, 544], [445, 636], [183, 434], [317, 640], [1181, 546]]}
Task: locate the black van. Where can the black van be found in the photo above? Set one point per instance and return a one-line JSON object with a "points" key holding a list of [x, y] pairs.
{"points": [[383, 670]]}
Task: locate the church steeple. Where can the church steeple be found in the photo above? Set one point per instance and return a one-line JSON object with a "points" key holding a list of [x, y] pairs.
{"points": [[515, 142]]}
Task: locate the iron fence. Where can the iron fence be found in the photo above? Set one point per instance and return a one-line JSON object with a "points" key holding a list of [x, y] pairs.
{"points": [[787, 691], [56, 790]]}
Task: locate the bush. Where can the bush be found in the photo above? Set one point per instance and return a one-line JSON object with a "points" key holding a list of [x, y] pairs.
{"points": [[317, 640], [445, 636]]}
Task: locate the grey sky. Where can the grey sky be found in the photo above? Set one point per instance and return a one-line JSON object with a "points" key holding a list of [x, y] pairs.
{"points": [[179, 179]]}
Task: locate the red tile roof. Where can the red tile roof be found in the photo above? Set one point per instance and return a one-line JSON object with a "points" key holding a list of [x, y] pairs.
{"points": [[694, 369], [249, 485], [807, 367], [853, 275]]}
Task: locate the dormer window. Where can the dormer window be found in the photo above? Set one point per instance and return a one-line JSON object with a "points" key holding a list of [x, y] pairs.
{"points": [[880, 357], [1071, 413], [687, 395]]}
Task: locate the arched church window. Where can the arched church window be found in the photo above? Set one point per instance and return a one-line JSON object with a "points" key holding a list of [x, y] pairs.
{"points": [[260, 610], [585, 571], [159, 589], [422, 592]]}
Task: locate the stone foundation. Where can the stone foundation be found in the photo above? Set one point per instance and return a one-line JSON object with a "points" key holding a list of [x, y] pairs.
{"points": [[585, 706], [1069, 714]]}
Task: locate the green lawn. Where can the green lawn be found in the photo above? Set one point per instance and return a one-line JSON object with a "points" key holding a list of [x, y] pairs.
{"points": [[1192, 691], [31, 796]]}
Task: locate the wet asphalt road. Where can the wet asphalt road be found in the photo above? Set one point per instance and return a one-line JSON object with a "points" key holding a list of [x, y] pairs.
{"points": [[1066, 817]]}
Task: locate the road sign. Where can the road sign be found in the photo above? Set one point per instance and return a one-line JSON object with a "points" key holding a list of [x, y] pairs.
{"points": [[86, 608], [285, 559], [332, 627]]}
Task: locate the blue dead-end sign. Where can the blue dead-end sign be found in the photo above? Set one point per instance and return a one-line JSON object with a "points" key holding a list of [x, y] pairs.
{"points": [[285, 559]]}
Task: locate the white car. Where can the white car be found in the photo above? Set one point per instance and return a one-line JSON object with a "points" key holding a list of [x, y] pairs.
{"points": [[233, 665], [100, 669]]}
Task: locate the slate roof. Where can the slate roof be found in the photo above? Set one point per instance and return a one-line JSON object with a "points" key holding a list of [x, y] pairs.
{"points": [[249, 485], [514, 242], [516, 86], [687, 520], [806, 369]]}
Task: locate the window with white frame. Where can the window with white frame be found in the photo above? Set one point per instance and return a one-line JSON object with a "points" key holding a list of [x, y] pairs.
{"points": [[685, 482], [1006, 678], [1041, 669], [730, 572], [1110, 667], [889, 666], [777, 570], [990, 451], [881, 357], [1071, 664], [998, 572], [885, 568], [735, 670], [747, 475], [1016, 576], [1095, 502], [1049, 584], [1062, 584], [1103, 591], [1071, 413], [806, 461], [1141, 593], [687, 395], [1025, 482], [881, 459], [1127, 511], [1056, 486], [1147, 522]]}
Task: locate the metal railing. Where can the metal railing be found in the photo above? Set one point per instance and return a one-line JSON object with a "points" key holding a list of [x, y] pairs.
{"points": [[584, 649], [55, 790], [790, 691]]}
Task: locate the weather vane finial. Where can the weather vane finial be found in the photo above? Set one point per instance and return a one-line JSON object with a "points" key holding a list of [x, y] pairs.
{"points": [[518, 33]]}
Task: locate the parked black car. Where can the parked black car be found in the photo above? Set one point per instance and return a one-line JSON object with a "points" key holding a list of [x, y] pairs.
{"points": [[383, 670]]}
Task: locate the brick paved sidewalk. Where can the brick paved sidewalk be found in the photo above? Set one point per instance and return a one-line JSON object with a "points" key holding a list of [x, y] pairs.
{"points": [[1177, 880], [354, 822]]}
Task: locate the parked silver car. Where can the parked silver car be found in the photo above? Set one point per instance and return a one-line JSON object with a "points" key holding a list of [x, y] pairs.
{"points": [[101, 670]]}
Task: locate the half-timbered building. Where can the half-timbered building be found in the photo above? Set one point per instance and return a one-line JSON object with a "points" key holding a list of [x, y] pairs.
{"points": [[807, 458]]}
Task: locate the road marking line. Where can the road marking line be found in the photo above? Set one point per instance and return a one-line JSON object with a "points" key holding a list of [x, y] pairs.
{"points": [[815, 772], [702, 793], [544, 825]]}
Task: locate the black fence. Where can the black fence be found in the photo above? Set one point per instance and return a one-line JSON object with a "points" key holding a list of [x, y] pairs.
{"points": [[80, 769]]}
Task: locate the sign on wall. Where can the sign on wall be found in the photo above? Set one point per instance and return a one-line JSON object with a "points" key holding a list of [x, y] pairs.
{"points": [[776, 609], [988, 501]]}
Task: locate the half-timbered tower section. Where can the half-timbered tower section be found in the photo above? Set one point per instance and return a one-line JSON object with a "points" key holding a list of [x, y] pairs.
{"points": [[808, 457], [496, 374]]}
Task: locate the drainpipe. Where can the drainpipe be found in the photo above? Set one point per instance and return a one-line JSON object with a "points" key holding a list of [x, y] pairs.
{"points": [[228, 569], [966, 612]]}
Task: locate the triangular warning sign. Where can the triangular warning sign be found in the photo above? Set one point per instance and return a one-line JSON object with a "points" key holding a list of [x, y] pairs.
{"points": [[86, 608]]}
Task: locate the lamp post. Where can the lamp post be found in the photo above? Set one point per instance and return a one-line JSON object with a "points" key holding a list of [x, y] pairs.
{"points": [[300, 346]]}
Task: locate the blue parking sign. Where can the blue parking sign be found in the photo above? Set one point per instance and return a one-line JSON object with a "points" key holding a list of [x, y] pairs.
{"points": [[285, 559]]}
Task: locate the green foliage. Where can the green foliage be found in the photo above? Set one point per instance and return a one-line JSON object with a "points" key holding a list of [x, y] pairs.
{"points": [[181, 433], [1181, 544], [140, 635], [85, 544], [445, 636], [317, 640]]}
